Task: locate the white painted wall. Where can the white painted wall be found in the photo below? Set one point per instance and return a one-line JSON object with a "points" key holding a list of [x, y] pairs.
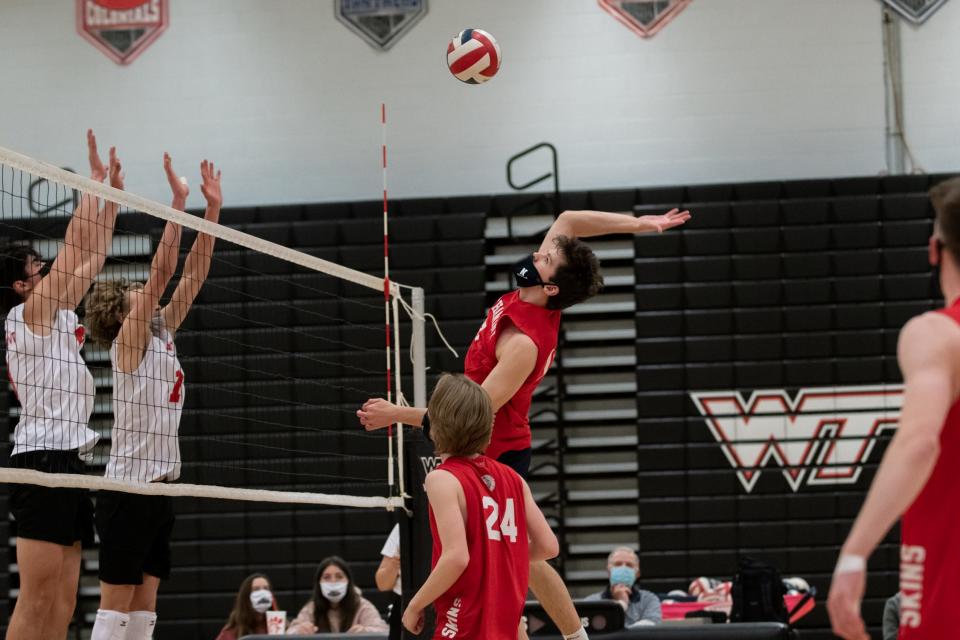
{"points": [[286, 99], [931, 78]]}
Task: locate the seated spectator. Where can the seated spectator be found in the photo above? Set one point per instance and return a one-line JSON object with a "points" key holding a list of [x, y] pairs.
{"points": [[623, 568], [249, 617], [336, 605], [388, 578], [891, 617]]}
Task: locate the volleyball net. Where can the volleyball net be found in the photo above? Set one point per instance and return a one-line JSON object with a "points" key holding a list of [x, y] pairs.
{"points": [[249, 394]]}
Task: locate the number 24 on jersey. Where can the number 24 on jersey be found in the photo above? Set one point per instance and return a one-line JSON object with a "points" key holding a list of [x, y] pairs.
{"points": [[508, 525]]}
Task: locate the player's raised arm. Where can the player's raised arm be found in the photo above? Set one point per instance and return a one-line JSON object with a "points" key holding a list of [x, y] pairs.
{"points": [[446, 497], [135, 331], [589, 224], [928, 352], [197, 264], [84, 250]]}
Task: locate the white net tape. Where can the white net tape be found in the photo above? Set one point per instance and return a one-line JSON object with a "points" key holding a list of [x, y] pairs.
{"points": [[262, 363]]}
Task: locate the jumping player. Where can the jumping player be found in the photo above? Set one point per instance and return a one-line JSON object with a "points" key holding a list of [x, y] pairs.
{"points": [[515, 346], [56, 391], [917, 478], [148, 397], [482, 516]]}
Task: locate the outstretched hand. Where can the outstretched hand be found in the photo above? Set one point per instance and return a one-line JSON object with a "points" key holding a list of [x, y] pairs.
{"points": [[116, 170], [377, 413], [669, 220], [178, 185], [97, 171], [210, 185]]}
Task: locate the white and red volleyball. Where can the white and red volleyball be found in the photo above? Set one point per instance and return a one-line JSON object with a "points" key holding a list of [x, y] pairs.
{"points": [[473, 56]]}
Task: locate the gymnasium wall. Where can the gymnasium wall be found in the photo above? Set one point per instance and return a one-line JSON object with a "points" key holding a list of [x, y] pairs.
{"points": [[286, 98], [767, 376]]}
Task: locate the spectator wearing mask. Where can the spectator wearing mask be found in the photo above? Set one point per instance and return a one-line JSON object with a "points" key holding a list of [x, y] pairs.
{"points": [[336, 605], [249, 615], [641, 607]]}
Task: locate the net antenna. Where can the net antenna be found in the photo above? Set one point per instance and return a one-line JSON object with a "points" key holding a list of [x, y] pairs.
{"points": [[35, 170]]}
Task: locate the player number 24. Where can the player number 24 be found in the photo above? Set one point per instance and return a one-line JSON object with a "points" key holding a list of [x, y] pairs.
{"points": [[508, 526]]}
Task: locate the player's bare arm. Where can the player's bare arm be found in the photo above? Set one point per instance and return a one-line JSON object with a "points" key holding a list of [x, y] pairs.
{"points": [[516, 358], [928, 353], [135, 331], [543, 542], [449, 504], [84, 250], [197, 265], [589, 224]]}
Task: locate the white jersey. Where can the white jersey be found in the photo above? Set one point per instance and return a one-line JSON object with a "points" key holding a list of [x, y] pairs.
{"points": [[147, 405], [53, 384]]}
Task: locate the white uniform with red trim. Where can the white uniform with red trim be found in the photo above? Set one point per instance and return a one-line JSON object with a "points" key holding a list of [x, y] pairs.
{"points": [[147, 405], [53, 384]]}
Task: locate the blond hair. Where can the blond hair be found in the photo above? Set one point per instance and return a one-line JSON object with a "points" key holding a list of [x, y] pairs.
{"points": [[461, 416], [105, 307]]}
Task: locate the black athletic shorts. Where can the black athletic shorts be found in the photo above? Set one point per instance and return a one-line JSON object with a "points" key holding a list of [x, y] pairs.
{"points": [[519, 461], [60, 516], [135, 535]]}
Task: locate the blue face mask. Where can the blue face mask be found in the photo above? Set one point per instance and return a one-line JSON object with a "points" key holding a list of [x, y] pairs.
{"points": [[622, 575]]}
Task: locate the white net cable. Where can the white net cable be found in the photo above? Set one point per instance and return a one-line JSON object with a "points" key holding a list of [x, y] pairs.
{"points": [[265, 369]]}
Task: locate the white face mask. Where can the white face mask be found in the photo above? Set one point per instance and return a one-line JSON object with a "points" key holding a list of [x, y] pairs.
{"points": [[333, 591], [261, 599]]}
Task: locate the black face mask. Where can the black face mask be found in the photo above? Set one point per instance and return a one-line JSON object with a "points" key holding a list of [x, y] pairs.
{"points": [[526, 274]]}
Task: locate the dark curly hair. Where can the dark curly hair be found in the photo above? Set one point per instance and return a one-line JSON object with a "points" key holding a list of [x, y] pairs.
{"points": [[13, 267], [579, 277], [945, 197]]}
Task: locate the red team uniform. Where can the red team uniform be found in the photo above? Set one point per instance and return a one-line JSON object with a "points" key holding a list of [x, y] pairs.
{"points": [[511, 427], [486, 601], [930, 541]]}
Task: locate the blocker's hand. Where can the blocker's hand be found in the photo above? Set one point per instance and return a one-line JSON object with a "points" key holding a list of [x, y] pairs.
{"points": [[669, 220], [116, 170], [97, 171], [210, 185], [178, 187], [377, 413], [843, 604], [413, 620]]}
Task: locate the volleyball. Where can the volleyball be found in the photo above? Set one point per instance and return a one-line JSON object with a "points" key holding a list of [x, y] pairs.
{"points": [[473, 56]]}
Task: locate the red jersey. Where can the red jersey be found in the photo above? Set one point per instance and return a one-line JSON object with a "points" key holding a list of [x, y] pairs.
{"points": [[930, 541], [486, 601], [511, 428]]}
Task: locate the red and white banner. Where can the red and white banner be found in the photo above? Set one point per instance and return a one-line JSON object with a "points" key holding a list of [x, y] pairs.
{"points": [[644, 17], [122, 29]]}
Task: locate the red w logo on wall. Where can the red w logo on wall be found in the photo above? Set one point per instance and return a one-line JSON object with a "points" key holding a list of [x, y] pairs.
{"points": [[820, 436], [122, 29]]}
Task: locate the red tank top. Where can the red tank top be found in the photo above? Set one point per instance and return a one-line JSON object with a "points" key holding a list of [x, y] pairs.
{"points": [[511, 427], [486, 601], [930, 541]]}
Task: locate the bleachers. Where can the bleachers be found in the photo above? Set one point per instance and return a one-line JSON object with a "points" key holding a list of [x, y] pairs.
{"points": [[770, 285]]}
